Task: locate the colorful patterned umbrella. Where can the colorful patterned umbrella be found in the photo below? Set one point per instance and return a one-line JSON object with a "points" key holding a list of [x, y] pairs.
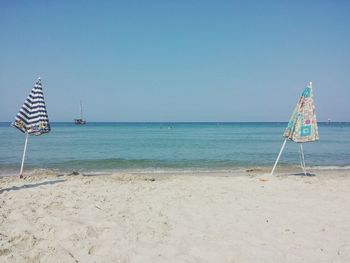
{"points": [[302, 126], [32, 117]]}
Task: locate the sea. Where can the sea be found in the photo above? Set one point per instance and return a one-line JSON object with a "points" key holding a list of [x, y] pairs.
{"points": [[169, 147]]}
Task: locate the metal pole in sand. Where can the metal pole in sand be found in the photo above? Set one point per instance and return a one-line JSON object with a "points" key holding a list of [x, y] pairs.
{"points": [[302, 160], [279, 155], [24, 155]]}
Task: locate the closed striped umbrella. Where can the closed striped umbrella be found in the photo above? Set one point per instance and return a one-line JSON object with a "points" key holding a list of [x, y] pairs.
{"points": [[32, 117]]}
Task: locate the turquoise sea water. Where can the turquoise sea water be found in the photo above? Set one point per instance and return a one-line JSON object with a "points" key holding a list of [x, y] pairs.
{"points": [[168, 146]]}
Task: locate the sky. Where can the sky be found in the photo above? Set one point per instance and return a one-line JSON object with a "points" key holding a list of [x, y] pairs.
{"points": [[183, 60]]}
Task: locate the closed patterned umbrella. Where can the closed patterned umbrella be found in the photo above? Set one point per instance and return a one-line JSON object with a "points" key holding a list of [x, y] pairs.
{"points": [[302, 126]]}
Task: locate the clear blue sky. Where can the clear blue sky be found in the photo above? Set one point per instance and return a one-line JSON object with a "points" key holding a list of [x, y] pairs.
{"points": [[176, 60]]}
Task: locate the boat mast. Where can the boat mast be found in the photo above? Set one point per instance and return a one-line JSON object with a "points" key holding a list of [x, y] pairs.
{"points": [[81, 110]]}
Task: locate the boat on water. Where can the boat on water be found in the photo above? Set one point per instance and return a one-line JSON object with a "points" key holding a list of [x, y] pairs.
{"points": [[80, 121]]}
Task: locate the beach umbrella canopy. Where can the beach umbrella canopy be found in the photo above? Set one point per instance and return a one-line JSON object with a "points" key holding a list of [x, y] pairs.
{"points": [[32, 117], [302, 126]]}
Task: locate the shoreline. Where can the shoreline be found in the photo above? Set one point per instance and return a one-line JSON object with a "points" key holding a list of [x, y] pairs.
{"points": [[283, 169]]}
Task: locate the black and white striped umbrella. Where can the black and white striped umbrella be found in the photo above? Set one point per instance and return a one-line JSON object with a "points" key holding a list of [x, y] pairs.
{"points": [[32, 117]]}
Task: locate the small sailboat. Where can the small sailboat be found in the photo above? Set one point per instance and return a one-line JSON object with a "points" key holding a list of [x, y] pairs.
{"points": [[80, 121]]}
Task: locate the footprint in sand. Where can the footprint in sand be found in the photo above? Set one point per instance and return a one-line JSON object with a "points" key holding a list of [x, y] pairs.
{"points": [[23, 241], [4, 252], [91, 232], [92, 250]]}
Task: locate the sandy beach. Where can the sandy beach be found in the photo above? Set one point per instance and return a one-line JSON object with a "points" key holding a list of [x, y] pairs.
{"points": [[213, 217]]}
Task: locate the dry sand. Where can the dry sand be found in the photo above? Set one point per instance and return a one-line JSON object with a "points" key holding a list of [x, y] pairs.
{"points": [[176, 218]]}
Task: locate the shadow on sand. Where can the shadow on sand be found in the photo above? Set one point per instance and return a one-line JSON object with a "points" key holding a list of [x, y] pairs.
{"points": [[302, 174], [15, 188], [74, 173]]}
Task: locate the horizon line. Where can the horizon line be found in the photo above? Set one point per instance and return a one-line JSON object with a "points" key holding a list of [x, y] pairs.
{"points": [[185, 122]]}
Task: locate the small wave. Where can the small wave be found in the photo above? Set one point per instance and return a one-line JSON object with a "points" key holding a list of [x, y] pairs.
{"points": [[331, 167], [144, 164]]}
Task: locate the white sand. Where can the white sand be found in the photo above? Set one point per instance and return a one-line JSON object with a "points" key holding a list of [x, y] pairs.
{"points": [[176, 218]]}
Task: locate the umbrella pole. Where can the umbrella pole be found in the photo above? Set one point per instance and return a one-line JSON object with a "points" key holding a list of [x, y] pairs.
{"points": [[302, 159], [279, 155], [24, 155]]}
